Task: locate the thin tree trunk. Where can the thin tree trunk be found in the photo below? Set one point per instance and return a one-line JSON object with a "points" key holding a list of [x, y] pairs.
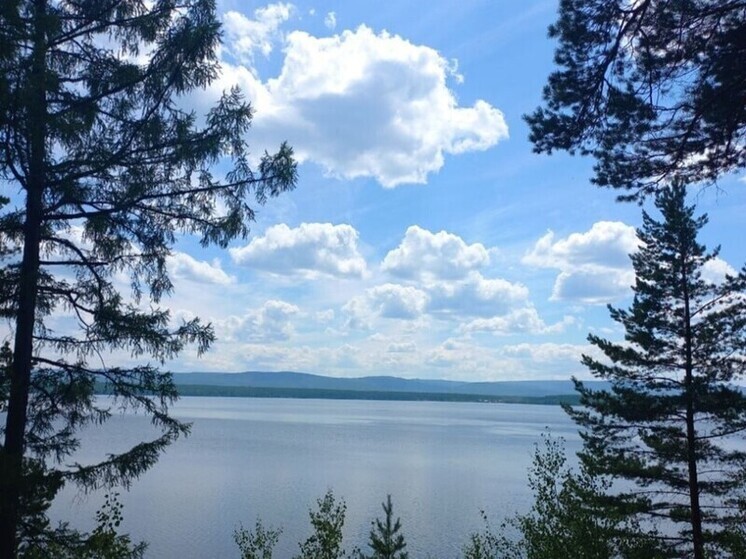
{"points": [[696, 513], [20, 370]]}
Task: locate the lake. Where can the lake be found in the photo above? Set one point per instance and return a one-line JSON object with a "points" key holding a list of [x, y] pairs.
{"points": [[442, 462]]}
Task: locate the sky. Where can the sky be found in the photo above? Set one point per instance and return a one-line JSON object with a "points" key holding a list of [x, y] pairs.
{"points": [[424, 239]]}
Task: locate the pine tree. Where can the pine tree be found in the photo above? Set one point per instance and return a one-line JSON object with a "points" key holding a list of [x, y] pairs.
{"points": [[104, 169], [670, 429], [386, 540], [653, 90]]}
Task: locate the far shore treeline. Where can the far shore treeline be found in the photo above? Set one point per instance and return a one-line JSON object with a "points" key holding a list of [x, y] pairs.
{"points": [[331, 394]]}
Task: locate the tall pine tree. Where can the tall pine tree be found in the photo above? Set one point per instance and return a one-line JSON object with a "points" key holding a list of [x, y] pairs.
{"points": [[103, 169], [669, 432]]}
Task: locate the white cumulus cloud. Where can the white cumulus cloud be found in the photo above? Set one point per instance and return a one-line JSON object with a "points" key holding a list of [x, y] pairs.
{"points": [[426, 255], [594, 266], [715, 270], [270, 322], [387, 301], [606, 244], [184, 266], [524, 320], [330, 21], [477, 296], [310, 250], [362, 104], [244, 37], [397, 301], [401, 347]]}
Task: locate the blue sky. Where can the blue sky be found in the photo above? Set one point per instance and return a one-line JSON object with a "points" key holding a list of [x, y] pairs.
{"points": [[424, 239]]}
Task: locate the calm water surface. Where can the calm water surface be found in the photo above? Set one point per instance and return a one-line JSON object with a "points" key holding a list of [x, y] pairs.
{"points": [[442, 462]]}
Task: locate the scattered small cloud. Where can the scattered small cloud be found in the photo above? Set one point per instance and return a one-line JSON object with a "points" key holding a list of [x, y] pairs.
{"points": [[182, 265], [715, 270], [401, 347], [325, 316], [330, 20], [386, 301], [245, 37], [520, 321], [270, 322], [547, 352]]}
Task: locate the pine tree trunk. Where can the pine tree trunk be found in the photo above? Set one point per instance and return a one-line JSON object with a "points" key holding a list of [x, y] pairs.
{"points": [[20, 371], [696, 513]]}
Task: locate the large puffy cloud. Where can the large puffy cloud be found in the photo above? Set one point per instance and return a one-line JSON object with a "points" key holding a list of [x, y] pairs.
{"points": [[310, 250], [477, 303], [606, 244], [426, 255], [594, 266], [361, 104], [184, 266], [446, 269], [489, 305]]}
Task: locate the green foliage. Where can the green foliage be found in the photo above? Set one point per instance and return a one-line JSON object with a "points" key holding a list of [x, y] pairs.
{"points": [[327, 523], [566, 518], [653, 90], [386, 541], [256, 544], [484, 545], [103, 543], [559, 524], [670, 428], [110, 170]]}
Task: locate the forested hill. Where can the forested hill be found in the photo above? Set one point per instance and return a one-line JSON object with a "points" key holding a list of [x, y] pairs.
{"points": [[378, 384]]}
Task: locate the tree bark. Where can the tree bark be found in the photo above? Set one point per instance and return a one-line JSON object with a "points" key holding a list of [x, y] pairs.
{"points": [[696, 513], [20, 371]]}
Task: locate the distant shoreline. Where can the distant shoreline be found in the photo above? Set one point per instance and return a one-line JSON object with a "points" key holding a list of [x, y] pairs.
{"points": [[334, 394]]}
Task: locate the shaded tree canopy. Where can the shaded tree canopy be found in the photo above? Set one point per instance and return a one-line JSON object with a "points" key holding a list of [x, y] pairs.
{"points": [[103, 168], [653, 90], [671, 428]]}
